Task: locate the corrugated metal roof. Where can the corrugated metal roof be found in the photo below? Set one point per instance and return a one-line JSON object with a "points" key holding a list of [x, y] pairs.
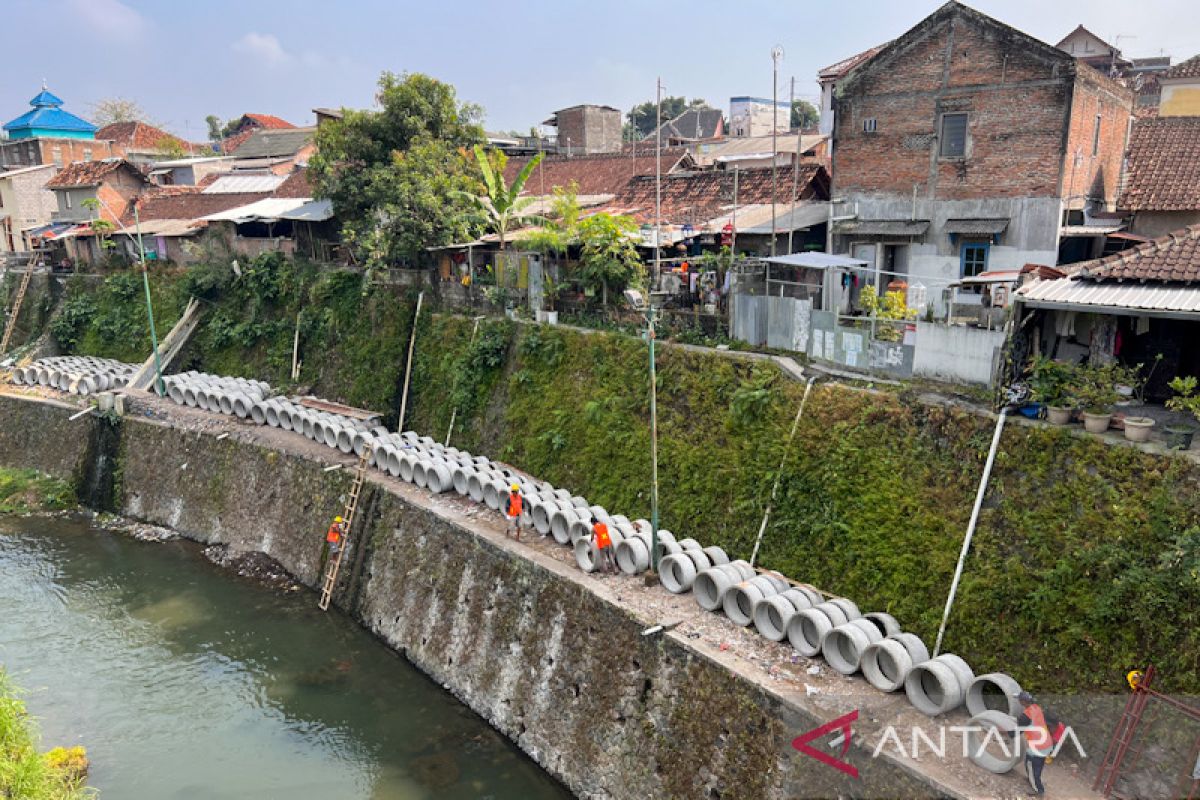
{"points": [[243, 184], [312, 211], [168, 227], [882, 227], [817, 261], [976, 226], [1093, 295], [267, 209]]}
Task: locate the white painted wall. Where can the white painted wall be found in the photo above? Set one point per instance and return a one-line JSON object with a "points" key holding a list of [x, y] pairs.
{"points": [[955, 353]]}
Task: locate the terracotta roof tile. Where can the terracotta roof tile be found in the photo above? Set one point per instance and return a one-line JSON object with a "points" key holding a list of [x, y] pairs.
{"points": [[89, 173], [599, 173], [296, 185], [1185, 69], [268, 121], [1174, 258], [1163, 168], [846, 64], [139, 136], [188, 205]]}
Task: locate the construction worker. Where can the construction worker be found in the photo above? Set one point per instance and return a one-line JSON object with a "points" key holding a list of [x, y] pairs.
{"points": [[513, 511], [1038, 743], [603, 543], [333, 537]]}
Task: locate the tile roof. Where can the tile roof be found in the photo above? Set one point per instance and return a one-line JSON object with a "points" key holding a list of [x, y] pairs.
{"points": [[296, 185], [268, 121], [846, 64], [247, 125], [89, 173], [269, 142], [1173, 258], [598, 173], [1162, 171], [139, 136], [694, 197], [188, 205], [1184, 69]]}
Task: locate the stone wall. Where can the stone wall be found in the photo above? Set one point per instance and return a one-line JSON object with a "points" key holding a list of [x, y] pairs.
{"points": [[562, 671]]}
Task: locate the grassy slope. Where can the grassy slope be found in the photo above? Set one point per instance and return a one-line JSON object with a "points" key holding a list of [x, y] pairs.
{"points": [[24, 772]]}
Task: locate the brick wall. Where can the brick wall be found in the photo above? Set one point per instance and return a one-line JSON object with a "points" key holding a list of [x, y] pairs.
{"points": [[1091, 163], [31, 152], [589, 129], [1017, 99]]}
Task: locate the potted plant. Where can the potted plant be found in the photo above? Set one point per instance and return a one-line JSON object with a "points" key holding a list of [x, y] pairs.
{"points": [[1094, 389], [1179, 436], [550, 292], [1048, 382]]}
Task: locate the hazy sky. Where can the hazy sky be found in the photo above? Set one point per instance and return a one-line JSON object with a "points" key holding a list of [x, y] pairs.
{"points": [[182, 61]]}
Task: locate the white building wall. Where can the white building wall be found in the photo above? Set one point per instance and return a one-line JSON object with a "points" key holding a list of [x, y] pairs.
{"points": [[956, 353]]}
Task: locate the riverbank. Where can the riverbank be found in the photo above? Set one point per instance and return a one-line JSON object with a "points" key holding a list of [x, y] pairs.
{"points": [[26, 491], [553, 658], [25, 771]]}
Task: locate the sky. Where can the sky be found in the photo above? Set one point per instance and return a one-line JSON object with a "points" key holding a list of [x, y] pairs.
{"points": [[181, 61]]}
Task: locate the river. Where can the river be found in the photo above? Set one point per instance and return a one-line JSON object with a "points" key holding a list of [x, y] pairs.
{"points": [[184, 680]]}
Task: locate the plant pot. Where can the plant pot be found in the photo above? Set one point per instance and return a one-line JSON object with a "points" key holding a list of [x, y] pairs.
{"points": [[1179, 437], [1137, 429], [1057, 415], [1096, 423], [552, 317], [540, 315]]}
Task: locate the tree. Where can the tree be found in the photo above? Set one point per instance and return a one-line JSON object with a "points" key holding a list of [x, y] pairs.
{"points": [[502, 204], [397, 175], [117, 109], [171, 147], [804, 115], [560, 227], [610, 257], [644, 117]]}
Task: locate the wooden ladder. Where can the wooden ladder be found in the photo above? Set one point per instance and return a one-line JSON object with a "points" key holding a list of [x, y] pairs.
{"points": [[11, 324], [329, 583]]}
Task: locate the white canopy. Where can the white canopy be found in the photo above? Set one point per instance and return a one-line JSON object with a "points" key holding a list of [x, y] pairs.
{"points": [[817, 261]]}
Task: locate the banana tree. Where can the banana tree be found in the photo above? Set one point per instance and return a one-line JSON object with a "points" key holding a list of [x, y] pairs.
{"points": [[502, 204]]}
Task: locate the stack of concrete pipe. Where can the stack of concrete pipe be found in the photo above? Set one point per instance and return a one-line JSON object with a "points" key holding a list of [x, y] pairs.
{"points": [[81, 375], [216, 393]]}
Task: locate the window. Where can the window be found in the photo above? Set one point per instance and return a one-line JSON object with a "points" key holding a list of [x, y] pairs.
{"points": [[57, 151], [1096, 137], [953, 141], [67, 195], [87, 154], [974, 258], [870, 125]]}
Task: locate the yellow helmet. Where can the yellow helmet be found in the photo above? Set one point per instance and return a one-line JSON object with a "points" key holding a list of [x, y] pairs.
{"points": [[338, 519], [516, 487]]}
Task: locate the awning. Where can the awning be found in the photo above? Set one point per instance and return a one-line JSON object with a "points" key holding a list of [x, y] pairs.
{"points": [[804, 215], [49, 231], [996, 276], [975, 227], [1159, 299], [1128, 237], [1099, 229], [817, 261], [272, 209], [313, 211], [168, 227], [882, 227]]}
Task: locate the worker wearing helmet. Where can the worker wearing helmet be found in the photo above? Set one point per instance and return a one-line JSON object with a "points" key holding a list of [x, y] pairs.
{"points": [[602, 543], [335, 534], [513, 510]]}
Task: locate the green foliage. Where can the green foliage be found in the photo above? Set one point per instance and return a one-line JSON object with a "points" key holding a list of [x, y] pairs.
{"points": [[1050, 381], [610, 260], [804, 115], [26, 490], [1185, 398], [892, 307], [501, 206], [397, 175], [643, 118], [1093, 386], [25, 773]]}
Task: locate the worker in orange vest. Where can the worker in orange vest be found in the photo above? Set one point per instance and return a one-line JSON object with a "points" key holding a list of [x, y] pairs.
{"points": [[603, 543], [513, 511], [1039, 744], [333, 537]]}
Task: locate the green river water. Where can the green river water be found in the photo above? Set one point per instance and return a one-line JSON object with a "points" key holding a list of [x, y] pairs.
{"points": [[186, 681]]}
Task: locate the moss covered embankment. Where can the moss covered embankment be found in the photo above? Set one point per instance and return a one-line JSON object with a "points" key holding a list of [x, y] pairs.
{"points": [[1087, 558], [26, 490]]}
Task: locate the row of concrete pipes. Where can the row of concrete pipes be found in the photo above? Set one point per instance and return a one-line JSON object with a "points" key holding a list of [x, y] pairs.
{"points": [[82, 375]]}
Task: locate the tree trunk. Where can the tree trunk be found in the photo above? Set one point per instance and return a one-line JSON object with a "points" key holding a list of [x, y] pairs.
{"points": [[604, 293]]}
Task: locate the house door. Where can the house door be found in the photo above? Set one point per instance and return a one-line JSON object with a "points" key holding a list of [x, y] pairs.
{"points": [[895, 262]]}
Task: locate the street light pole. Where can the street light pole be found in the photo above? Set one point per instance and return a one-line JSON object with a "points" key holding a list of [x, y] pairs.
{"points": [[776, 55], [654, 555]]}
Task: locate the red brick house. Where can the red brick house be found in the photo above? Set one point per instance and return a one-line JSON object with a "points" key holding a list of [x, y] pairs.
{"points": [[141, 142], [1161, 188], [113, 182], [965, 146]]}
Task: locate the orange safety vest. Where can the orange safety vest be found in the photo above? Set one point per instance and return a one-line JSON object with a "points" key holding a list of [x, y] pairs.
{"points": [[602, 538], [334, 534], [514, 504], [1036, 733]]}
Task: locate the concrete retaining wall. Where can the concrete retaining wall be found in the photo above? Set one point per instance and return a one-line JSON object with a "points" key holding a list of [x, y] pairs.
{"points": [[562, 671], [956, 353]]}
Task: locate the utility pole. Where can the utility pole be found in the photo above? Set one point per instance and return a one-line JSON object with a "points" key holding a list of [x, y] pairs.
{"points": [[654, 555], [795, 167], [158, 380], [776, 55], [733, 218], [657, 195]]}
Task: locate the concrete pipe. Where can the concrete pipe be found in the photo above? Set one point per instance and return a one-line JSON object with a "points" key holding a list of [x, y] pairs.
{"points": [[581, 529], [345, 441], [560, 523], [427, 441], [677, 573], [308, 427], [773, 613], [844, 645], [241, 406], [813, 597], [395, 466], [258, 413], [421, 473], [286, 411], [886, 663], [716, 555], [621, 520], [438, 478], [666, 548], [225, 402], [18, 376], [586, 556], [331, 432], [494, 492], [461, 477], [272, 410], [408, 466], [562, 494], [847, 606], [712, 584], [633, 556], [886, 623], [938, 685], [739, 601], [579, 502], [540, 514], [202, 399], [175, 392], [807, 630], [361, 442], [690, 544], [994, 691], [475, 482], [601, 514], [994, 741], [699, 558]]}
